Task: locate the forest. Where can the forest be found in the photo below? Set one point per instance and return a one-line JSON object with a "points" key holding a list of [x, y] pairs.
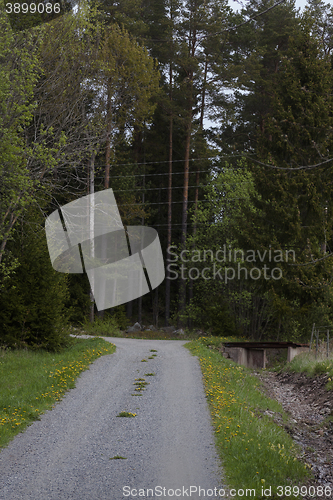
{"points": [[212, 126]]}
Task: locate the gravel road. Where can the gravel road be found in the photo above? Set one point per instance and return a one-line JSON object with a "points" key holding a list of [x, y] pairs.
{"points": [[168, 444]]}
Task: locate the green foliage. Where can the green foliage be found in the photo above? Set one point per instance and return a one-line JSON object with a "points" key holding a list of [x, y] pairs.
{"points": [[295, 207], [119, 315], [19, 68], [86, 86], [32, 311], [106, 326], [213, 316], [130, 100], [78, 301], [221, 225], [24, 19]]}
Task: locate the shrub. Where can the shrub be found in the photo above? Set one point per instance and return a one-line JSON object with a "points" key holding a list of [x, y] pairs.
{"points": [[32, 302]]}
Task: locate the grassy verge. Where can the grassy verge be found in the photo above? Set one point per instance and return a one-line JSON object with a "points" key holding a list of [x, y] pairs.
{"points": [[32, 381], [256, 453], [312, 366]]}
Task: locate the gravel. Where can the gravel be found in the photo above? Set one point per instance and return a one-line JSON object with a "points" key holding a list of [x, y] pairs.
{"points": [[308, 403], [169, 444]]}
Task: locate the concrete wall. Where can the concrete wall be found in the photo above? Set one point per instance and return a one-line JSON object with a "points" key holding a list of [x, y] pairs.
{"points": [[256, 358], [293, 351], [237, 354], [252, 358]]}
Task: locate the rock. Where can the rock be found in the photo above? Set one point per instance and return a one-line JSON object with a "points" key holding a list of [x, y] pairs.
{"points": [[180, 332], [152, 327], [130, 329], [168, 329], [135, 328], [306, 401]]}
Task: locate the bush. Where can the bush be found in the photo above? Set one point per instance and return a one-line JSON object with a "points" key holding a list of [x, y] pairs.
{"points": [[32, 302], [213, 316], [106, 326]]}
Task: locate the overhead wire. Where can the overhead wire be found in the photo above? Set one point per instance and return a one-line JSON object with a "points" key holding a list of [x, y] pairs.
{"points": [[226, 30], [302, 167], [164, 203], [154, 189], [151, 175]]}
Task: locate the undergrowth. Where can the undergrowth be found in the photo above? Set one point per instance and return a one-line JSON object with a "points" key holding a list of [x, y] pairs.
{"points": [[108, 327]]}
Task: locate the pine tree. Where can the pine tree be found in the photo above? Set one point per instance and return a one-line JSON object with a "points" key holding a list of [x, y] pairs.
{"points": [[296, 202], [33, 301]]}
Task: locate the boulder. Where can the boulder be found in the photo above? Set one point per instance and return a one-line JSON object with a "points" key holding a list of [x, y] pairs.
{"points": [[135, 328], [168, 329]]}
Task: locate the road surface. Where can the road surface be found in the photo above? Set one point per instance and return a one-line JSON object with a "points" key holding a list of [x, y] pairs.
{"points": [[168, 447]]}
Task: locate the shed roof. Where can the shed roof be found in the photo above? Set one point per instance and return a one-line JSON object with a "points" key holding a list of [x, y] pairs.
{"points": [[264, 345]]}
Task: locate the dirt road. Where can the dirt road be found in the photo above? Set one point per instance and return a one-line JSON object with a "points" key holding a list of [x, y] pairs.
{"points": [[168, 445]]}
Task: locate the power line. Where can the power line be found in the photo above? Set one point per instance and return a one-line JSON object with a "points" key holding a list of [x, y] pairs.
{"points": [[151, 175], [167, 161], [180, 224], [219, 156], [157, 203], [226, 30], [155, 189], [303, 167], [246, 157], [245, 22], [173, 202]]}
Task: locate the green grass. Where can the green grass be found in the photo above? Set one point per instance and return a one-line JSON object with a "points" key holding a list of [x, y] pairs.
{"points": [[32, 381], [312, 366], [140, 384], [255, 451], [126, 414], [107, 327]]}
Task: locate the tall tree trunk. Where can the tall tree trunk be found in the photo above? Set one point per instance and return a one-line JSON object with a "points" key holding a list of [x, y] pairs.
{"points": [[10, 226], [108, 138], [182, 289], [91, 230], [143, 219], [155, 307], [155, 292], [107, 160], [197, 177], [169, 222]]}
